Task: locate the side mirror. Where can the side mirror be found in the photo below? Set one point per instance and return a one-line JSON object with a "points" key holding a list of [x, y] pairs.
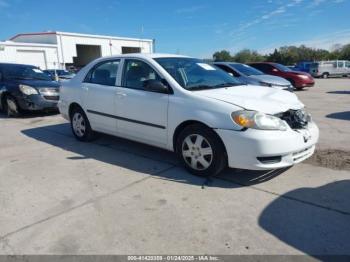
{"points": [[274, 70], [156, 86], [231, 74]]}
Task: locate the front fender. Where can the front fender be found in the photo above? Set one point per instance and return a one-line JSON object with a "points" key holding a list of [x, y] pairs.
{"points": [[212, 113]]}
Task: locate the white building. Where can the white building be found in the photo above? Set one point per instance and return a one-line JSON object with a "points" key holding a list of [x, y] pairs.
{"points": [[49, 50]]}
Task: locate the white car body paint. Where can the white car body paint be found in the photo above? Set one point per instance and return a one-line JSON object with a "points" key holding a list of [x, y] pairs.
{"points": [[165, 112]]}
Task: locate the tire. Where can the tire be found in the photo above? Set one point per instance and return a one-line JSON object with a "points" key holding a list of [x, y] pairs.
{"points": [[292, 82], [325, 75], [81, 126], [11, 107], [201, 151]]}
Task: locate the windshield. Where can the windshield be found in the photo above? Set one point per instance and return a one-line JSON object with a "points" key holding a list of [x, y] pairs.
{"points": [[246, 69], [282, 68], [25, 73], [193, 74]]}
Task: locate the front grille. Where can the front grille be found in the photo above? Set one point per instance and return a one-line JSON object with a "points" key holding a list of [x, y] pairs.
{"points": [[296, 119], [52, 98], [49, 91]]}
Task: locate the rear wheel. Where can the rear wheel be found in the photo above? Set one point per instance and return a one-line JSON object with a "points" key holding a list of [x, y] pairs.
{"points": [[11, 107], [201, 151], [81, 126], [325, 75]]}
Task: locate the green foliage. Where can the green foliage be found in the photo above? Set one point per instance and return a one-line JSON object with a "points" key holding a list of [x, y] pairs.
{"points": [[345, 52], [287, 55], [246, 56], [222, 56]]}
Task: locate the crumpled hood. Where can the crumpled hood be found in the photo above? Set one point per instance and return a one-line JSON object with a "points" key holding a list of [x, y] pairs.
{"points": [[275, 80], [258, 98]]}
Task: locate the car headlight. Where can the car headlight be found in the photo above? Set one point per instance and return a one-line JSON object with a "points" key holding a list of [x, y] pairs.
{"points": [[264, 84], [258, 120], [28, 90], [303, 76]]}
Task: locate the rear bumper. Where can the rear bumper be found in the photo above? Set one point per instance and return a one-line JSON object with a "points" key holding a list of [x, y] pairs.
{"points": [[254, 149], [37, 102]]}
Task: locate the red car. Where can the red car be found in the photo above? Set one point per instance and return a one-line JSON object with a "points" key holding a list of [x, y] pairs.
{"points": [[298, 79]]}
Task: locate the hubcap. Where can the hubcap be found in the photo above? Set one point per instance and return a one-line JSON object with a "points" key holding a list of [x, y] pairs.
{"points": [[11, 105], [197, 152], [78, 124]]}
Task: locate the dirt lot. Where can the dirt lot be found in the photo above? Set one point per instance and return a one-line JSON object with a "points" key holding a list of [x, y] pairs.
{"points": [[329, 104], [61, 196]]}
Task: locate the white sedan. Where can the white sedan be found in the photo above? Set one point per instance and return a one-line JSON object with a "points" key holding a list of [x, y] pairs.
{"points": [[208, 118]]}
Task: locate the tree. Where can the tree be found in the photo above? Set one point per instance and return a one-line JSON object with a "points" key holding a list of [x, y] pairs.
{"points": [[222, 56], [287, 55], [246, 56], [275, 56], [345, 52]]}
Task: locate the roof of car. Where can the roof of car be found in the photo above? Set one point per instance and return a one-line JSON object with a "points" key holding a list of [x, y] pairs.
{"points": [[270, 63], [148, 55], [14, 64], [226, 63]]}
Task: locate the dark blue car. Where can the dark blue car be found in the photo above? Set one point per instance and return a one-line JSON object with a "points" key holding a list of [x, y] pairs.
{"points": [[26, 87]]}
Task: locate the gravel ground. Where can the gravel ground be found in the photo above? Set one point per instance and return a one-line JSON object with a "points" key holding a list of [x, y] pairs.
{"points": [[329, 104], [113, 196]]}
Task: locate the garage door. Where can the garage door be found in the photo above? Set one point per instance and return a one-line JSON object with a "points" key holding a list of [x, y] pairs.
{"points": [[30, 57]]}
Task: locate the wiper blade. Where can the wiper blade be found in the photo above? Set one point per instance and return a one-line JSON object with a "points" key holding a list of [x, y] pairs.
{"points": [[199, 87], [229, 84]]}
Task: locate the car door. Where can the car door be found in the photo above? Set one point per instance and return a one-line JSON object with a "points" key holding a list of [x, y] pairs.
{"points": [[100, 95], [142, 115]]}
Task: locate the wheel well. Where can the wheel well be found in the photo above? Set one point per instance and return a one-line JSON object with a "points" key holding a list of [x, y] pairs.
{"points": [[3, 96], [73, 106], [185, 124]]}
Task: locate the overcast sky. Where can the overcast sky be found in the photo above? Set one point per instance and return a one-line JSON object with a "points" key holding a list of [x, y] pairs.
{"points": [[192, 27]]}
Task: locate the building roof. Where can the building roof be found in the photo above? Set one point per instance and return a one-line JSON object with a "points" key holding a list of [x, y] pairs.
{"points": [[11, 43], [81, 35]]}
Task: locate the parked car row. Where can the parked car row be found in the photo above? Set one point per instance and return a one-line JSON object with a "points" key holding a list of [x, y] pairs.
{"points": [[252, 76], [268, 74], [298, 79], [204, 114]]}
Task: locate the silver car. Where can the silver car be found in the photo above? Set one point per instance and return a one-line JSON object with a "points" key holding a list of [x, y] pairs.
{"points": [[249, 75]]}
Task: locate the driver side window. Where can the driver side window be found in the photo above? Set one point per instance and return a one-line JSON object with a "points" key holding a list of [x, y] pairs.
{"points": [[228, 70], [137, 73]]}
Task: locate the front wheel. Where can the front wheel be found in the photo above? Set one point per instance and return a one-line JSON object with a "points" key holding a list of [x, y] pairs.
{"points": [[201, 150], [81, 126], [11, 107]]}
